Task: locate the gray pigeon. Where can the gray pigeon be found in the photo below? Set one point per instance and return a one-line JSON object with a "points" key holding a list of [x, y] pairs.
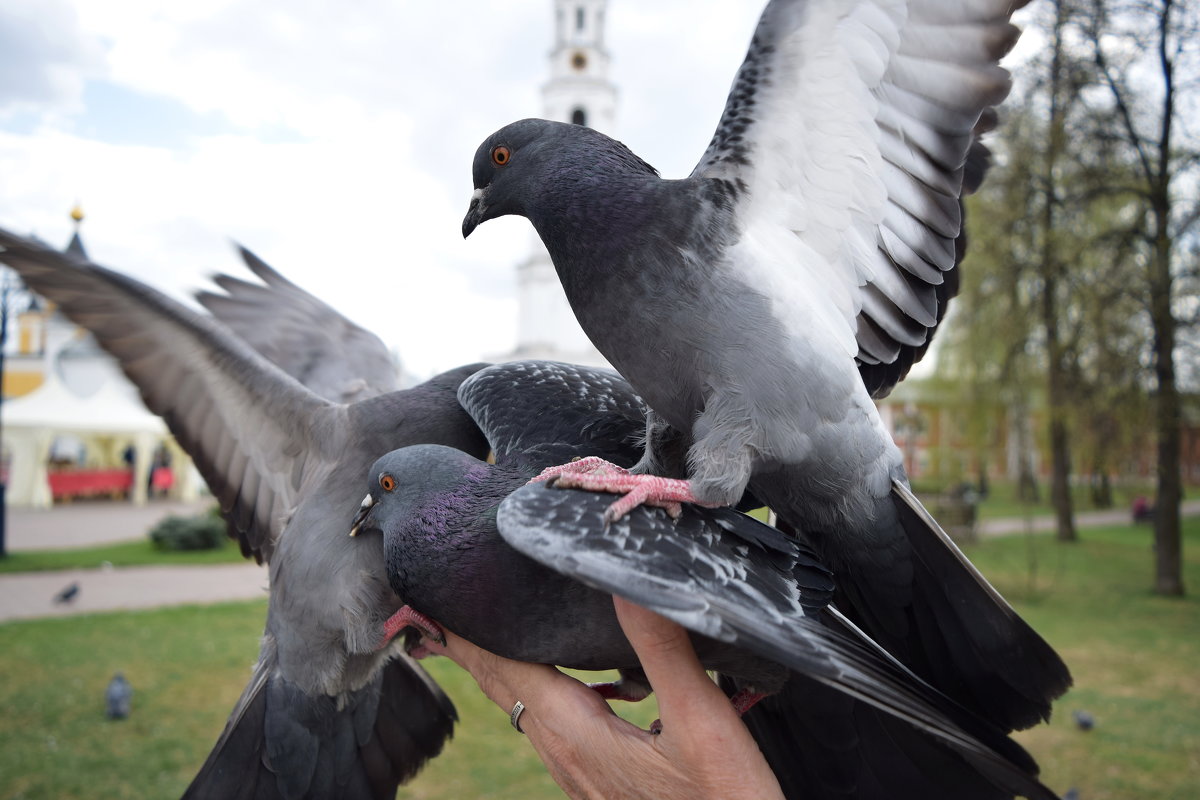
{"points": [[302, 335], [326, 713], [67, 594], [759, 304], [118, 697], [755, 597]]}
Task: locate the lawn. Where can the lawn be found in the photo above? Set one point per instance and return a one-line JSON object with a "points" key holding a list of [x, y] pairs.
{"points": [[1134, 657], [124, 554]]}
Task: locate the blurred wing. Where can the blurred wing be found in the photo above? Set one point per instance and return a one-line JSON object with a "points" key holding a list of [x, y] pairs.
{"points": [[254, 433], [849, 137], [741, 587], [302, 335], [549, 412]]}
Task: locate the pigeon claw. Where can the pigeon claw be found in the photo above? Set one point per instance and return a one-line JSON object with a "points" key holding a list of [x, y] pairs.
{"points": [[408, 618], [744, 700], [637, 490], [591, 464]]}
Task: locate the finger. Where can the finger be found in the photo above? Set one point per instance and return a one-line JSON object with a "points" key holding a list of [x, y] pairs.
{"points": [[685, 693]]}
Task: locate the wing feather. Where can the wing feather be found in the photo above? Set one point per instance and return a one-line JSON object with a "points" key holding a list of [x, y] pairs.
{"points": [[854, 127], [244, 421]]}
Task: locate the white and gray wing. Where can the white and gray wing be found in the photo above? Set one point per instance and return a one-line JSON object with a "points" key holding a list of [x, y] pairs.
{"points": [[728, 577], [254, 432], [302, 335], [849, 138]]}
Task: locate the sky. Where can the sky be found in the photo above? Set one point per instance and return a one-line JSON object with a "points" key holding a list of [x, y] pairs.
{"points": [[334, 140]]}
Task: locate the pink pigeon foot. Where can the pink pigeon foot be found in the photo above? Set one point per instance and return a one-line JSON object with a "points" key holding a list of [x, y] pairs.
{"points": [[621, 690], [745, 700], [580, 465], [638, 490], [408, 618]]}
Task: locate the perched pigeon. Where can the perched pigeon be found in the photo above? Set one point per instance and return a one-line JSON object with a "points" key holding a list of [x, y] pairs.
{"points": [[68, 593], [325, 713], [759, 304], [118, 697], [755, 596]]}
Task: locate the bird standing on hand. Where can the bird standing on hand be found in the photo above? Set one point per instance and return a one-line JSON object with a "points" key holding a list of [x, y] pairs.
{"points": [[760, 304]]}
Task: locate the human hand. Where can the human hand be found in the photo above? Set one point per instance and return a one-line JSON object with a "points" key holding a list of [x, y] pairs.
{"points": [[704, 750]]}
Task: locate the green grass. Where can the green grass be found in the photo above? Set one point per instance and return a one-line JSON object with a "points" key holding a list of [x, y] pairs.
{"points": [[1002, 500], [125, 554], [188, 666], [1134, 657]]}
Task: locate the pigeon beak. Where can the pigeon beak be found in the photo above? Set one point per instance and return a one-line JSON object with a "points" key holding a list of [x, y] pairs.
{"points": [[363, 510], [474, 212]]}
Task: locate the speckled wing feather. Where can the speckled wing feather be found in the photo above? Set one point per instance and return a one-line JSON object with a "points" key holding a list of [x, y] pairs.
{"points": [[547, 412], [726, 576], [852, 127], [302, 334], [236, 414]]}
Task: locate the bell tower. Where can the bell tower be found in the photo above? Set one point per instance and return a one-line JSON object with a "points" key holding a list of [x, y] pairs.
{"points": [[579, 92]]}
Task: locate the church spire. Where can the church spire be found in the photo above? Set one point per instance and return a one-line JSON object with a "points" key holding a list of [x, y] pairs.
{"points": [[579, 90]]}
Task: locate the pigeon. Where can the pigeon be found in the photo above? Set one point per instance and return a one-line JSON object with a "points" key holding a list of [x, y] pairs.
{"points": [[67, 594], [303, 336], [1083, 720], [761, 303], [326, 712], [526, 571], [118, 697]]}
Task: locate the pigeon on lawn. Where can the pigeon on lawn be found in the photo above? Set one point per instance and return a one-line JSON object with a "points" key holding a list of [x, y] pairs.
{"points": [[326, 712], [759, 304], [754, 596], [118, 697]]}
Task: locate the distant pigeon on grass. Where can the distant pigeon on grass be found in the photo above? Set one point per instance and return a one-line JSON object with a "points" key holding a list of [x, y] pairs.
{"points": [[118, 697], [761, 303], [324, 706], [1083, 720], [526, 571], [67, 594]]}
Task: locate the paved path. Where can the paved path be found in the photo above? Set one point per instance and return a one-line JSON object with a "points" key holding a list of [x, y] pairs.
{"points": [[88, 523], [1083, 519], [29, 595]]}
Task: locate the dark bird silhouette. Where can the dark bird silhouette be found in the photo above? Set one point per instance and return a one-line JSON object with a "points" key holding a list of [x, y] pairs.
{"points": [[68, 593], [755, 598], [118, 697], [759, 304], [325, 713]]}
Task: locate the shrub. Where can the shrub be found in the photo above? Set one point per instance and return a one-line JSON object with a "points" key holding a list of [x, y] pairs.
{"points": [[201, 532]]}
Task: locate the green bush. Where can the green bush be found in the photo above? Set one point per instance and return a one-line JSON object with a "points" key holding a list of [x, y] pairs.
{"points": [[201, 532]]}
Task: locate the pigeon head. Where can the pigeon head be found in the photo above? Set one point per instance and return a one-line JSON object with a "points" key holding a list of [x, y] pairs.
{"points": [[528, 159], [404, 479]]}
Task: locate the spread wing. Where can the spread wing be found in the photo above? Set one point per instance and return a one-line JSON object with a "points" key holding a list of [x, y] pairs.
{"points": [[302, 335], [728, 577], [547, 412], [850, 136], [254, 432]]}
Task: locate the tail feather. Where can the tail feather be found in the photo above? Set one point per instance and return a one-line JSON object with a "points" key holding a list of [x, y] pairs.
{"points": [[823, 743], [977, 648], [281, 744]]}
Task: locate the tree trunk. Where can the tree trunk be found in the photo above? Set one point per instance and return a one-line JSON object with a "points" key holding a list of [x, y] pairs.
{"points": [[1060, 446], [1168, 544]]}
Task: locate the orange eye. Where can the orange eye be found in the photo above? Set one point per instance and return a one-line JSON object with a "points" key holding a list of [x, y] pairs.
{"points": [[387, 482], [500, 155]]}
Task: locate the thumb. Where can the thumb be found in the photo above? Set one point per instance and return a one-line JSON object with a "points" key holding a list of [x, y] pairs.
{"points": [[685, 692]]}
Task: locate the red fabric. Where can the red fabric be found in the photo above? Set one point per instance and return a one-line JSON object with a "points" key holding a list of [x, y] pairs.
{"points": [[86, 482]]}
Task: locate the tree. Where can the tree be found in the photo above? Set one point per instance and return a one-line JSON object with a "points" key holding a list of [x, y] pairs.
{"points": [[1141, 62]]}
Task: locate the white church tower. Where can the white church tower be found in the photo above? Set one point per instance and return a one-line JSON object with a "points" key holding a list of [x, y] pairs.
{"points": [[579, 92]]}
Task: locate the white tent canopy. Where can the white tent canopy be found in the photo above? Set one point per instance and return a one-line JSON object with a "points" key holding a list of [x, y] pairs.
{"points": [[111, 408]]}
